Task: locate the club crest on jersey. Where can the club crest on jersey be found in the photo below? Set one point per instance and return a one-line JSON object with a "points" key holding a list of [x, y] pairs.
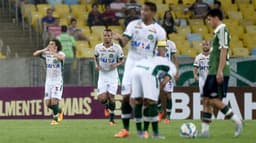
{"points": [[150, 37]]}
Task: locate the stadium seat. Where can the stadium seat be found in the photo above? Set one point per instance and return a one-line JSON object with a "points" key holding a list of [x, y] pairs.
{"points": [[183, 30], [98, 30], [245, 22], [70, 2], [243, 1], [231, 22], [42, 8], [176, 37], [237, 30], [161, 9], [251, 29], [202, 29], [76, 10], [172, 2], [240, 52], [34, 18], [62, 10], [83, 51], [207, 36], [194, 37], [230, 7], [117, 29], [81, 19], [54, 2], [26, 9], [188, 2], [86, 30], [235, 15], [196, 22], [253, 51], [236, 44], [197, 45], [189, 52], [181, 45]]}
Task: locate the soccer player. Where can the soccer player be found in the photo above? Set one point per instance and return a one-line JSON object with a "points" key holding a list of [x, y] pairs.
{"points": [[201, 65], [54, 58], [146, 87], [144, 34], [165, 93], [108, 56], [216, 83]]}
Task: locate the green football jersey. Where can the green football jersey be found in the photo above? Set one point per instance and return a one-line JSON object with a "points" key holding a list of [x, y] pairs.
{"points": [[220, 40]]}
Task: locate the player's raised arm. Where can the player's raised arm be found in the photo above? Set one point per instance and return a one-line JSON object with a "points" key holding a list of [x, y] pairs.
{"points": [[38, 52], [123, 40], [59, 55]]}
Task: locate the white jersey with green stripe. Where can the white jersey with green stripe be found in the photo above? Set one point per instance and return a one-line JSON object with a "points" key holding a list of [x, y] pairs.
{"points": [[157, 66], [54, 67], [143, 38]]}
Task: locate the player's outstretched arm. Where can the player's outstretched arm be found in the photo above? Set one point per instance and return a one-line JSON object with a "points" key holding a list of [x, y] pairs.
{"points": [[195, 72], [176, 62], [59, 56], [123, 40], [38, 52]]}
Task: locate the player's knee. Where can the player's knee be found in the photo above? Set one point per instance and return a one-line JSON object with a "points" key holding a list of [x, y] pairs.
{"points": [[102, 99]]}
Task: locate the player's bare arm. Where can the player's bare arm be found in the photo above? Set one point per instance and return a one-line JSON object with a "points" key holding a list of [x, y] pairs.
{"points": [[123, 40], [223, 55], [176, 62], [119, 63], [166, 79], [195, 72], [97, 64], [58, 56], [38, 52]]}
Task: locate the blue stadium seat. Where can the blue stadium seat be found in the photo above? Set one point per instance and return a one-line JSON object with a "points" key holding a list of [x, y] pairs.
{"points": [[53, 2], [70, 2], [194, 37], [253, 51]]}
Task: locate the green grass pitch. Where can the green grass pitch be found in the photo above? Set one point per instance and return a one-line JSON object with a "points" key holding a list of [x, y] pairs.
{"points": [[98, 131]]}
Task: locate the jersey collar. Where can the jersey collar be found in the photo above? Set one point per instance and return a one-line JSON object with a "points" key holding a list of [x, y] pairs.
{"points": [[219, 27]]}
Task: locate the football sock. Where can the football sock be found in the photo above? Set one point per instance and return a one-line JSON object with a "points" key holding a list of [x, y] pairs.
{"points": [[227, 111], [150, 115], [126, 114], [206, 120], [107, 104], [55, 108], [138, 116], [168, 108], [112, 107]]}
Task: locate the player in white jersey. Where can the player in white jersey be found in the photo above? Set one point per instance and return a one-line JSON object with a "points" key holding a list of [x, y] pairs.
{"points": [[54, 77], [201, 65], [143, 34], [146, 85], [108, 56], [165, 102]]}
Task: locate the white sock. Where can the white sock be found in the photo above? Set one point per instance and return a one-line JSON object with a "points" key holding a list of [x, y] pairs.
{"points": [[205, 127], [236, 119]]}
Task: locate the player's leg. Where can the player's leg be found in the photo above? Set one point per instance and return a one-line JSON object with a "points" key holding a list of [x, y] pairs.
{"points": [[56, 92], [112, 90], [226, 110], [102, 96], [206, 114], [161, 105], [126, 108], [150, 112], [168, 89]]}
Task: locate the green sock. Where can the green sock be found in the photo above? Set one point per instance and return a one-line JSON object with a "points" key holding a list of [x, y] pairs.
{"points": [[138, 116], [126, 123], [126, 113], [168, 108], [146, 125], [55, 108], [159, 106], [153, 115], [112, 107]]}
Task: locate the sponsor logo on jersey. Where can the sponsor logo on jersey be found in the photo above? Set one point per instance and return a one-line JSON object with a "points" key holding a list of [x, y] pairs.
{"points": [[140, 44], [53, 65]]}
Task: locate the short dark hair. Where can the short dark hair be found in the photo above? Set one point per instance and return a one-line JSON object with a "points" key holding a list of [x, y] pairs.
{"points": [[215, 13], [151, 5], [108, 30], [57, 43], [73, 20], [218, 3], [64, 28]]}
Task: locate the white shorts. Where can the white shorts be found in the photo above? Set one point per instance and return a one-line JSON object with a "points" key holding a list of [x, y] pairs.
{"points": [[53, 90], [169, 86], [201, 81], [126, 81], [144, 85], [109, 86]]}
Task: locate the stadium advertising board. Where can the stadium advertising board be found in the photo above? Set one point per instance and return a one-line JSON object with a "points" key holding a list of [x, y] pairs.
{"points": [[81, 103]]}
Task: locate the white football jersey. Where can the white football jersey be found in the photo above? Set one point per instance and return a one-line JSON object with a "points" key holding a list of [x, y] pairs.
{"points": [[201, 62], [143, 38], [157, 66], [54, 67]]}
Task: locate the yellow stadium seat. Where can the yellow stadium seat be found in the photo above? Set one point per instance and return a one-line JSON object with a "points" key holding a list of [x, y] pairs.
{"points": [[254, 3], [161, 9], [207, 36], [245, 22], [196, 22], [62, 10], [248, 37], [251, 29], [197, 45], [189, 52], [83, 50], [238, 31], [34, 18], [42, 8], [86, 30], [240, 52], [184, 30], [235, 15], [26, 9], [181, 45], [230, 7], [243, 7], [188, 2], [236, 44], [176, 37], [231, 22], [117, 29], [172, 2], [77, 10], [242, 2], [202, 29]]}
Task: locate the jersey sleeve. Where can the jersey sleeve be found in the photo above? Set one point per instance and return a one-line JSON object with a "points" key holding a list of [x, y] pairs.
{"points": [[120, 53], [96, 51], [223, 37], [161, 34], [129, 30], [196, 62], [62, 53], [172, 46]]}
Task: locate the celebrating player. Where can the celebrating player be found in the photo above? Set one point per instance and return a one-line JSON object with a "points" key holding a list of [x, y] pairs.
{"points": [[108, 56], [144, 34], [201, 65], [216, 84], [146, 86], [54, 81], [165, 94]]}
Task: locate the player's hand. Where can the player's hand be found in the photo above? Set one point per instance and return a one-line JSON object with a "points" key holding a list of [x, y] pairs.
{"points": [[113, 66], [98, 68], [219, 77], [196, 77], [116, 36], [177, 76]]}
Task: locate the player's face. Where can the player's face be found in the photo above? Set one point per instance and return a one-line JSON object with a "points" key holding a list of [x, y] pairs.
{"points": [[206, 46], [212, 21], [146, 13], [161, 51], [107, 36], [52, 46]]}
